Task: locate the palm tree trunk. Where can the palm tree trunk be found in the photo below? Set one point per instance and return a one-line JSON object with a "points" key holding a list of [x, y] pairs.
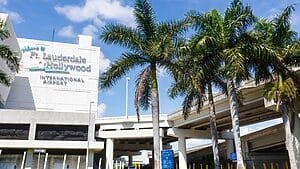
{"points": [[213, 127], [235, 123], [283, 109], [155, 117]]}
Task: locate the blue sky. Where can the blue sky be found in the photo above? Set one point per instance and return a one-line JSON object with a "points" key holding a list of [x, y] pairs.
{"points": [[36, 19]]}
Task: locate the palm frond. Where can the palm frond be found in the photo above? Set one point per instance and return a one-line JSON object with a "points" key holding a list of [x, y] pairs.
{"points": [[291, 54], [145, 18], [122, 35], [4, 78], [282, 34], [119, 68], [235, 64], [143, 91], [288, 92], [195, 19], [237, 20], [10, 56], [4, 33], [187, 104], [172, 28]]}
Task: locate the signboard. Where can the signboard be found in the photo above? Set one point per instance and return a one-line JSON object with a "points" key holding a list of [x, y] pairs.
{"points": [[55, 76], [233, 156], [167, 159], [58, 68]]}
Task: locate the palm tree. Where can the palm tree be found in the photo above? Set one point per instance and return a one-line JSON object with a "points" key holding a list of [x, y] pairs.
{"points": [[283, 52], [229, 43], [237, 20], [196, 74], [7, 54], [150, 45]]}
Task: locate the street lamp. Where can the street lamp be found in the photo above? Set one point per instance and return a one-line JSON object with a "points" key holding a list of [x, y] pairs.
{"points": [[88, 137], [126, 101]]}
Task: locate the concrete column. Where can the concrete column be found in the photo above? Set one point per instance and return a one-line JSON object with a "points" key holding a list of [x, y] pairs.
{"points": [[32, 130], [109, 153], [296, 133], [245, 149], [64, 162], [182, 152], [91, 160], [229, 148], [91, 128], [130, 160], [29, 159]]}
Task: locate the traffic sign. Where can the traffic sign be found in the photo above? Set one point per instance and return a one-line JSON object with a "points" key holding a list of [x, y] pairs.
{"points": [[167, 159]]}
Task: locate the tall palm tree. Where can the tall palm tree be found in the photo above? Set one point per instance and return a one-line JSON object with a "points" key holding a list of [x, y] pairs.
{"points": [[196, 73], [229, 43], [150, 45], [237, 20], [7, 54], [283, 52]]}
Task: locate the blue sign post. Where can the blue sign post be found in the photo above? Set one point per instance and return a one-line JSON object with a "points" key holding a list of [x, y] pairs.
{"points": [[233, 156], [167, 159]]}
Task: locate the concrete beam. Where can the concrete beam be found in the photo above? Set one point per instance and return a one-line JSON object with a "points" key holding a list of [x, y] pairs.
{"points": [[192, 133], [133, 147], [126, 153], [123, 134], [50, 144], [44, 117]]}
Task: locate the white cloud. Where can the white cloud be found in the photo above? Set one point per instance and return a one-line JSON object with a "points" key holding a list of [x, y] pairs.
{"points": [[67, 32], [14, 16], [90, 30], [273, 12], [3, 2], [161, 72], [104, 63], [101, 109], [98, 10]]}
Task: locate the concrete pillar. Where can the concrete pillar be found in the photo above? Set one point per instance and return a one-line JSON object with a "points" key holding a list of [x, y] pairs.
{"points": [[296, 133], [90, 164], [130, 160], [160, 148], [91, 128], [182, 152], [109, 153], [32, 130], [245, 149], [29, 159], [64, 162], [229, 148]]}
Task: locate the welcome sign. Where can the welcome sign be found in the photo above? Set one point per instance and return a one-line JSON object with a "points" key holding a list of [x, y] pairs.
{"points": [[56, 76], [59, 69]]}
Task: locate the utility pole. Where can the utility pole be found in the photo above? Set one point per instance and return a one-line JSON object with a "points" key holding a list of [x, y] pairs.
{"points": [[126, 101]]}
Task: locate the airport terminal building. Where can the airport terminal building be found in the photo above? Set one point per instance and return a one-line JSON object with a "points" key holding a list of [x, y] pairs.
{"points": [[48, 117], [46, 111]]}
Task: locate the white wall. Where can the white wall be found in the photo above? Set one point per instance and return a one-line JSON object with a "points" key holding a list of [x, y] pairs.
{"points": [[44, 83], [13, 44]]}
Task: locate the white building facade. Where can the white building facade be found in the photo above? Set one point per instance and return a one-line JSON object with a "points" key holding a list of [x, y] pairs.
{"points": [[48, 113]]}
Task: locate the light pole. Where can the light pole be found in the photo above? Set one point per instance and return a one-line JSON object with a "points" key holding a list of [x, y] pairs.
{"points": [[126, 101], [88, 137]]}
